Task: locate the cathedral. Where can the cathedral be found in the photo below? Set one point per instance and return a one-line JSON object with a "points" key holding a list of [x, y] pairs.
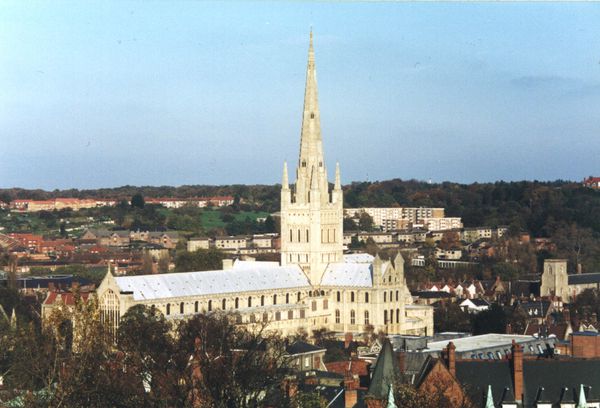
{"points": [[315, 285]]}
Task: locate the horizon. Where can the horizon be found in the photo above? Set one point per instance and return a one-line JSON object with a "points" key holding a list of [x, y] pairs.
{"points": [[210, 94]]}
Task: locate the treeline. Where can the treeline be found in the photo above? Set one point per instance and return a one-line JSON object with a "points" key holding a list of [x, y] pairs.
{"points": [[536, 207]]}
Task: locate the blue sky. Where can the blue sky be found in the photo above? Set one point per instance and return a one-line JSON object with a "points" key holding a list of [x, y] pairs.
{"points": [[101, 94]]}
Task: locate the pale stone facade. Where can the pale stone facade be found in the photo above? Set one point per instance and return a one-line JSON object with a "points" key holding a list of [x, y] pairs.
{"points": [[555, 281], [314, 286]]}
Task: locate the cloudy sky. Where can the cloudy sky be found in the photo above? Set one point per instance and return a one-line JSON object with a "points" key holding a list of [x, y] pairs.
{"points": [[151, 93]]}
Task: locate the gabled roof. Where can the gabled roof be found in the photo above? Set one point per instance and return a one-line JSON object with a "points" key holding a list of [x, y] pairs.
{"points": [[385, 373], [348, 274], [235, 280]]}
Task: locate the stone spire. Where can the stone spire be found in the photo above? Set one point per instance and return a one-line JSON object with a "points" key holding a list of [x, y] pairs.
{"points": [[311, 143], [582, 403]]}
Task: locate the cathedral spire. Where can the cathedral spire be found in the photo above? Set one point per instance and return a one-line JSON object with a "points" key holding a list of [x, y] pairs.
{"points": [[311, 146]]}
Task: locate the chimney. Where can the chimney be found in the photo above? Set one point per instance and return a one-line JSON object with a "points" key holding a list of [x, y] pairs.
{"points": [[347, 340], [517, 370], [350, 392], [452, 358], [402, 361]]}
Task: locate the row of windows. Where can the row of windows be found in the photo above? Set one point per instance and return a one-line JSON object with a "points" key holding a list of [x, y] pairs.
{"points": [[338, 296], [299, 235], [385, 297], [391, 321], [236, 303], [352, 316]]}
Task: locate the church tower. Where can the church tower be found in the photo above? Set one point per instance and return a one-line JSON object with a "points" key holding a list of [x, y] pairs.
{"points": [[311, 214]]}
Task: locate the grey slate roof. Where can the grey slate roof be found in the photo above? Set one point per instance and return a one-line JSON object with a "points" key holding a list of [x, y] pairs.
{"points": [[584, 278]]}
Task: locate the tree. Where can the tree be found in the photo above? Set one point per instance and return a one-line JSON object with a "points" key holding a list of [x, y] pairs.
{"points": [[492, 320], [450, 317], [200, 260], [137, 201], [365, 222], [147, 267], [163, 263]]}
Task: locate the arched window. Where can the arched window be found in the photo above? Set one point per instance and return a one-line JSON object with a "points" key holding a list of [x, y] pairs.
{"points": [[299, 236], [337, 316], [397, 315], [291, 235], [223, 304], [237, 303], [384, 297], [322, 293], [352, 317], [366, 317], [397, 296], [262, 300], [298, 296], [210, 305], [338, 296], [392, 316], [351, 296], [306, 235], [274, 299], [325, 304], [366, 297], [249, 301], [181, 308], [168, 309], [287, 298], [109, 306], [385, 317], [196, 305]]}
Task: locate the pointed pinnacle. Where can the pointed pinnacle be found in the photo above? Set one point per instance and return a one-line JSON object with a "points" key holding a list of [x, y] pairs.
{"points": [[284, 182], [338, 182]]}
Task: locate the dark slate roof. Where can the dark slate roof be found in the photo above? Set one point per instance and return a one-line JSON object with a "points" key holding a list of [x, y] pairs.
{"points": [[385, 373], [584, 278], [480, 302], [301, 347], [556, 375], [476, 375], [537, 308], [560, 379], [432, 294], [525, 288]]}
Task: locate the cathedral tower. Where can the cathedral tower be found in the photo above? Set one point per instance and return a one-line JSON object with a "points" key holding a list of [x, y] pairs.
{"points": [[311, 214]]}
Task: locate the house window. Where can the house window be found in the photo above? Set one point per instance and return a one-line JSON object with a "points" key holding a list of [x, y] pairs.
{"points": [[181, 308], [337, 316], [352, 317], [366, 317]]}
